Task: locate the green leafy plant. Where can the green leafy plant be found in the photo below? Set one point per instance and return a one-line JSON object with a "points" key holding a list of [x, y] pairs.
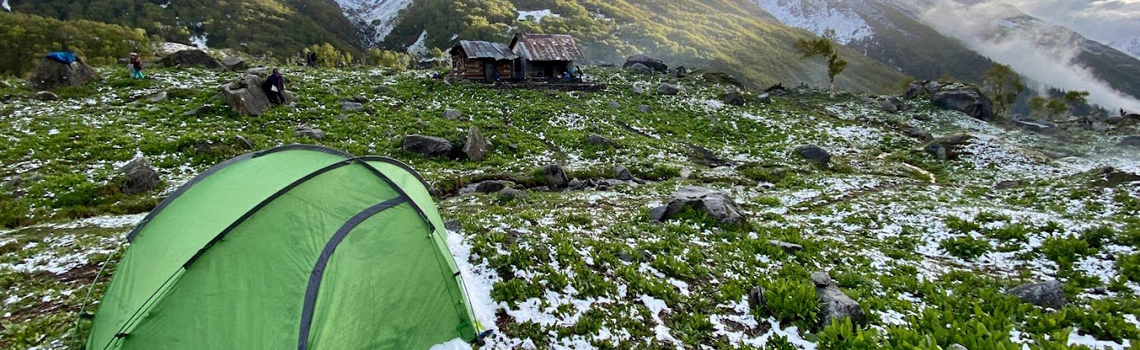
{"points": [[792, 302], [965, 247]]}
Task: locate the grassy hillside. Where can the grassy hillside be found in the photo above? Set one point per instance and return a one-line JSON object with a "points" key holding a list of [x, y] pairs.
{"points": [[918, 50], [927, 254]]}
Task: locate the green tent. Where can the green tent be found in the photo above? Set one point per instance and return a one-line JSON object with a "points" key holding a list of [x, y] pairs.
{"points": [[298, 246]]}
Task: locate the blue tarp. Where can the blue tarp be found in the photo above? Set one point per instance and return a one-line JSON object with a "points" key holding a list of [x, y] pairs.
{"points": [[63, 57]]}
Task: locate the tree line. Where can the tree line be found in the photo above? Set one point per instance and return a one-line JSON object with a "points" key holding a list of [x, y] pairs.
{"points": [[25, 39]]}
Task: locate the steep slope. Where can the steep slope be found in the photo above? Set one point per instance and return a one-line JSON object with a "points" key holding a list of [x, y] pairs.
{"points": [[374, 19], [884, 32], [278, 27], [1131, 47], [728, 35]]}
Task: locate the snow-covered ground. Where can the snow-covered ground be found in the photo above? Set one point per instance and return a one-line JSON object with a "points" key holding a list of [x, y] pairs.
{"points": [[819, 15], [538, 15], [382, 14]]}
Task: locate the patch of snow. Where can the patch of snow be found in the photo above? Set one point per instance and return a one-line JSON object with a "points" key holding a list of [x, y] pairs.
{"points": [[538, 15], [420, 46], [381, 15], [477, 280], [199, 41], [6, 6], [454, 344], [818, 16], [1076, 338]]}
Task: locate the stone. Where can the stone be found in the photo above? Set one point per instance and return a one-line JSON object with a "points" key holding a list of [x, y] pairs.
{"points": [[756, 299], [787, 247], [641, 69], [599, 141], [643, 109], [717, 205], [948, 148], [764, 98], [1098, 126], [658, 213], [668, 89], [555, 176], [637, 90], [234, 63], [814, 154], [245, 96], [834, 304], [1005, 185], [1045, 294], [46, 96], [315, 134], [621, 173], [138, 176], [51, 74], [348, 106], [967, 100], [625, 256], [197, 111], [452, 114], [509, 194], [428, 145], [915, 90], [190, 58], [647, 61], [917, 133], [476, 147], [614, 105], [262, 72], [453, 226], [734, 98], [889, 106], [492, 186], [360, 99], [680, 71], [243, 142], [156, 98], [704, 156], [1130, 141]]}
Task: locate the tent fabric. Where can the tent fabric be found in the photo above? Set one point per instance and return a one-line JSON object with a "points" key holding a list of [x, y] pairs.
{"points": [[63, 57], [298, 246]]}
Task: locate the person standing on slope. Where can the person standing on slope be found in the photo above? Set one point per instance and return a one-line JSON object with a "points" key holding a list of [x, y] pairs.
{"points": [[275, 87], [135, 66]]}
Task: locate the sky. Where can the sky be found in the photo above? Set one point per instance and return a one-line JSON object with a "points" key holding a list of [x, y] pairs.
{"points": [[1100, 20]]}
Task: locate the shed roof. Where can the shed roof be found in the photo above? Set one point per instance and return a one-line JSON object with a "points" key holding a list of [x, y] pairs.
{"points": [[546, 47], [484, 49]]}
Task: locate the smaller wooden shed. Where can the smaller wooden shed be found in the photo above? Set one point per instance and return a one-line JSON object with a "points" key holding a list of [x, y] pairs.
{"points": [[544, 55], [479, 60]]}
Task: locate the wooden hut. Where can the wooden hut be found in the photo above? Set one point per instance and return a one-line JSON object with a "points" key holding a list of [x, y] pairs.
{"points": [[478, 60], [544, 55]]}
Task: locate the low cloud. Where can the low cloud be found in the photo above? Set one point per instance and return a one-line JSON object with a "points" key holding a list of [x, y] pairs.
{"points": [[1042, 53]]}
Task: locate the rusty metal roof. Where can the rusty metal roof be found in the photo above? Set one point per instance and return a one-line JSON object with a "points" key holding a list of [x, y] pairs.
{"points": [[547, 47], [484, 49]]}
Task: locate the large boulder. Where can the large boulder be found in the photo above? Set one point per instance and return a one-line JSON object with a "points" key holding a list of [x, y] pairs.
{"points": [[734, 98], [190, 58], [555, 176], [967, 100], [814, 154], [428, 145], [138, 176], [315, 134], [717, 205], [834, 304], [668, 89], [234, 63], [647, 61], [915, 90], [948, 148], [1045, 294], [476, 146], [51, 74], [245, 96]]}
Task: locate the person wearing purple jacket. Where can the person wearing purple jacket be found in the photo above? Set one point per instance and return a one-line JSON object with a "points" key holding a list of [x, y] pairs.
{"points": [[275, 87]]}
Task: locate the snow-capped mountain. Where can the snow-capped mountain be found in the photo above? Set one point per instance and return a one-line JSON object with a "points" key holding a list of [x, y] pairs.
{"points": [[845, 18], [1131, 47], [374, 18]]}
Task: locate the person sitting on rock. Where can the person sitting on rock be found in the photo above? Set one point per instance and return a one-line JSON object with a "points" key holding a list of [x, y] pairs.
{"points": [[274, 87], [135, 66]]}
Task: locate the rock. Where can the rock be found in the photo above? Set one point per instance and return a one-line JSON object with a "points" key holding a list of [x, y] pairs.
{"points": [[717, 205], [787, 247], [599, 141], [576, 185], [509, 194], [680, 71], [834, 304], [452, 114], [311, 133], [453, 226], [915, 90], [777, 90], [1130, 141], [641, 69], [889, 106], [625, 256], [190, 58], [933, 86], [917, 133], [1035, 125], [658, 213], [967, 100], [138, 177], [245, 96], [360, 99], [51, 74], [555, 176], [1045, 294], [1097, 126], [948, 148], [492, 186], [814, 154], [614, 105], [159, 97], [668, 89], [637, 90], [262, 72], [382, 89], [703, 156], [643, 109], [243, 142], [1005, 185], [234, 63], [476, 146], [734, 98], [1105, 177], [428, 145], [348, 106], [765, 98], [647, 61], [46, 96], [756, 299], [197, 111], [621, 173]]}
